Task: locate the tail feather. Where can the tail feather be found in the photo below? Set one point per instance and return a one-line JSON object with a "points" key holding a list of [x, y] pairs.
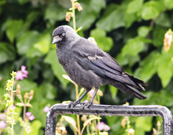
{"points": [[136, 93], [126, 88]]}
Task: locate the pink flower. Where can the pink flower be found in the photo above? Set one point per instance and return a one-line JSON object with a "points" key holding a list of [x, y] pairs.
{"points": [[22, 73], [23, 69], [91, 92], [28, 113], [106, 128], [29, 116], [19, 75], [2, 124], [100, 126], [46, 109], [2, 116], [103, 126]]}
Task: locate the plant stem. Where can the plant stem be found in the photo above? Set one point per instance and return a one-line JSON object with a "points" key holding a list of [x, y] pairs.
{"points": [[74, 20], [12, 124], [78, 120], [76, 86], [24, 115]]}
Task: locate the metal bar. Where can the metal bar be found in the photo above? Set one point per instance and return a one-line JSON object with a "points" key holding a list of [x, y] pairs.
{"points": [[113, 110]]}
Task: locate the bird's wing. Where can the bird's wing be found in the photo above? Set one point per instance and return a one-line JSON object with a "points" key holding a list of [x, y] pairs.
{"points": [[91, 57]]}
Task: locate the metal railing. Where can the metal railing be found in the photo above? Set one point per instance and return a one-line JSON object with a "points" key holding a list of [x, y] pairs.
{"points": [[113, 110]]}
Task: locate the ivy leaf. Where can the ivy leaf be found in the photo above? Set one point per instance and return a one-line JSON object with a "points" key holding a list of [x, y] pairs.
{"points": [[43, 44], [12, 28], [143, 31], [168, 4], [54, 12], [151, 10], [105, 43], [134, 6], [25, 41], [134, 46], [7, 52], [91, 9], [112, 18], [147, 67], [58, 70], [164, 71]]}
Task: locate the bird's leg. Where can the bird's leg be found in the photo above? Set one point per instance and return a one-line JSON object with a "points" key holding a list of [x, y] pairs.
{"points": [[72, 104], [91, 101]]}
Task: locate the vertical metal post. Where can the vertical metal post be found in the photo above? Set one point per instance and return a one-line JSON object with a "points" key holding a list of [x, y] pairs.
{"points": [[113, 110]]}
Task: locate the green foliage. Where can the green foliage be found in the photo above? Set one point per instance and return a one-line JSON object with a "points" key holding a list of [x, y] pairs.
{"points": [[132, 31]]}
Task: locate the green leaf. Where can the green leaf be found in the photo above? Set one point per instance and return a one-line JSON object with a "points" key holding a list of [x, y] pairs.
{"points": [[134, 6], [90, 119], [7, 52], [121, 59], [151, 10], [168, 4], [55, 12], [18, 111], [33, 52], [134, 46], [27, 85], [163, 20], [105, 43], [91, 10], [112, 18], [25, 41], [68, 78], [147, 67], [35, 127], [71, 121], [19, 104], [164, 70], [129, 19], [113, 91], [144, 123], [23, 1], [58, 70], [158, 35], [12, 28], [43, 44], [143, 31]]}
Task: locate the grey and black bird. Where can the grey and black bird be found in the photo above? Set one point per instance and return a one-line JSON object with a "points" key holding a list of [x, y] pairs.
{"points": [[90, 67]]}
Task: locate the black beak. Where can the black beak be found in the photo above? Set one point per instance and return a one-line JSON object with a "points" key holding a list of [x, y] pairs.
{"points": [[56, 39]]}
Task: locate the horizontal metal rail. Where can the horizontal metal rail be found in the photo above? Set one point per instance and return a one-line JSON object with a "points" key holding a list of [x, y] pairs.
{"points": [[113, 110]]}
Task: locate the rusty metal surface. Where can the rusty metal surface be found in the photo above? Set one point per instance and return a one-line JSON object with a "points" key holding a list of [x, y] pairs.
{"points": [[113, 110]]}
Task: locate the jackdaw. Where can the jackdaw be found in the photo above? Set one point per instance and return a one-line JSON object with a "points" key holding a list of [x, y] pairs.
{"points": [[90, 67]]}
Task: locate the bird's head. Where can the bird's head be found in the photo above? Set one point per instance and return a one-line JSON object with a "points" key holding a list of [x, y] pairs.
{"points": [[63, 33]]}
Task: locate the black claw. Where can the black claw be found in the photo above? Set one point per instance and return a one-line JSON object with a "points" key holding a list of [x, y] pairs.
{"points": [[86, 105], [73, 104]]}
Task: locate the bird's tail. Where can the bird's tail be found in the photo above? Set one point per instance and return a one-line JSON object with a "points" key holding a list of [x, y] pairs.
{"points": [[131, 89]]}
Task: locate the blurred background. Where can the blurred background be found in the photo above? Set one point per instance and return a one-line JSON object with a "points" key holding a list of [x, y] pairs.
{"points": [[131, 31]]}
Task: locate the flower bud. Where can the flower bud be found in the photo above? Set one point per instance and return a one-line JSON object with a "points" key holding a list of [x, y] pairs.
{"points": [[18, 91], [78, 6], [131, 131], [68, 16], [31, 93], [26, 96], [64, 132]]}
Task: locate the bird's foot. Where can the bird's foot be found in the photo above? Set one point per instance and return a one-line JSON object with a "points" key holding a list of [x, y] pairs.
{"points": [[86, 105], [73, 104]]}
